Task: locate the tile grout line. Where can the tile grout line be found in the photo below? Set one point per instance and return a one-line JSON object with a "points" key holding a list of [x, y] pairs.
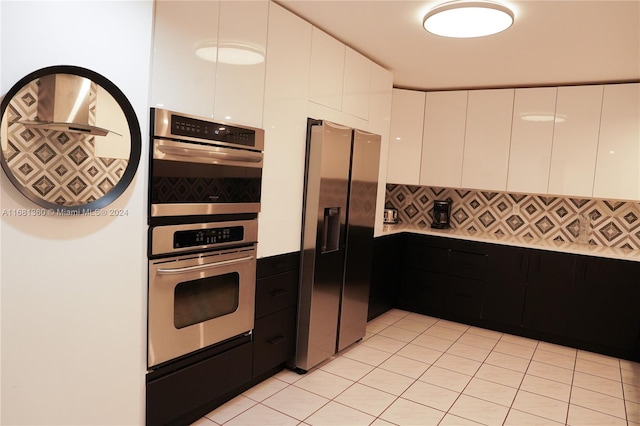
{"points": [[397, 397], [624, 400], [472, 377], [524, 375], [573, 375]]}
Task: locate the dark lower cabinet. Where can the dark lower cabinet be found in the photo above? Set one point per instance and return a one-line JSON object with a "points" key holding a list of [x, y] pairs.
{"points": [[546, 306], [274, 332], [587, 302], [422, 291], [183, 396], [386, 273], [505, 285], [463, 296], [466, 281], [274, 340], [605, 305], [424, 278], [443, 277]]}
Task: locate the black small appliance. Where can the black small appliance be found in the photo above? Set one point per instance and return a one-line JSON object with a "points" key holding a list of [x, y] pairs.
{"points": [[441, 214]]}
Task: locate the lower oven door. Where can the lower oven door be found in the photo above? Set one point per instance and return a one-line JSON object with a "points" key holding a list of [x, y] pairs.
{"points": [[199, 300]]}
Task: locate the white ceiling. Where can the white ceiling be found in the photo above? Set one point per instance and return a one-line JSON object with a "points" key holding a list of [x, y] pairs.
{"points": [[551, 42]]}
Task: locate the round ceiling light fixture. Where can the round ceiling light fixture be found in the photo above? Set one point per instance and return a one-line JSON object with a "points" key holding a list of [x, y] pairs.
{"points": [[465, 19], [230, 53]]}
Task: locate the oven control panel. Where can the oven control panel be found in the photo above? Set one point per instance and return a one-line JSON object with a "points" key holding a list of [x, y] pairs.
{"points": [[201, 237], [179, 126], [170, 239]]}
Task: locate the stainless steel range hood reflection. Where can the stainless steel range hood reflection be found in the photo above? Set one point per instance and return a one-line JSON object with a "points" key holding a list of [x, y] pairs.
{"points": [[63, 105]]}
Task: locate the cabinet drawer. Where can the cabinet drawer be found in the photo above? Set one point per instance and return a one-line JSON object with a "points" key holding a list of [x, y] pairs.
{"points": [[278, 264], [466, 264], [276, 292], [463, 296], [273, 340]]}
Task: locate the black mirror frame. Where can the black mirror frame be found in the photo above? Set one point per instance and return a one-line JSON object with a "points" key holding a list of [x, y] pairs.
{"points": [[134, 129]]}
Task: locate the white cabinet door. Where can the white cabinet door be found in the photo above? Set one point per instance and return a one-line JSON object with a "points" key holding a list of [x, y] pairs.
{"points": [[618, 161], [180, 79], [405, 139], [242, 41], [575, 140], [380, 102], [327, 70], [487, 137], [445, 116], [379, 123], [531, 140], [285, 123], [357, 84]]}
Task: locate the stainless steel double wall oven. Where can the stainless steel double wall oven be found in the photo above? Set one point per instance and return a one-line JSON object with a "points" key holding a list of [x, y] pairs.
{"points": [[204, 197]]}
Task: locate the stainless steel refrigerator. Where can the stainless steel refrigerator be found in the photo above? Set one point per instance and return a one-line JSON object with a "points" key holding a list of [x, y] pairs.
{"points": [[339, 207]]}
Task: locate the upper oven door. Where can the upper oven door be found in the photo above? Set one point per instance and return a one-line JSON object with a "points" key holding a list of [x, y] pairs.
{"points": [[201, 179], [198, 300]]}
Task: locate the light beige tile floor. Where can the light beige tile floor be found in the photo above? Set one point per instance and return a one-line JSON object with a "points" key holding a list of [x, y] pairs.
{"points": [[413, 369]]}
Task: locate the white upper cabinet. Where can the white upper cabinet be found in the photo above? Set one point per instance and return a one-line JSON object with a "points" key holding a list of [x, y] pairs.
{"points": [[487, 139], [285, 121], [575, 140], [180, 79], [357, 84], [445, 118], [380, 102], [379, 123], [242, 45], [327, 70], [531, 140], [405, 138], [618, 161]]}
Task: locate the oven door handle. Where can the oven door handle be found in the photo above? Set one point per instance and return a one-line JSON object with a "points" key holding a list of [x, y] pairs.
{"points": [[206, 155], [165, 271]]}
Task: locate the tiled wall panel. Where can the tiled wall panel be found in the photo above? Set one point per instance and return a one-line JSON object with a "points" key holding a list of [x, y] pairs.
{"points": [[608, 223]]}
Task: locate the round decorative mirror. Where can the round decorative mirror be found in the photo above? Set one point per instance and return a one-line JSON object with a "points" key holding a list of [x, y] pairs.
{"points": [[70, 139]]}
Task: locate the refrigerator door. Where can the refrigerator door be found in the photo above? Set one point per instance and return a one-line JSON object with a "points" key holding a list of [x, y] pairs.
{"points": [[359, 250], [323, 241]]}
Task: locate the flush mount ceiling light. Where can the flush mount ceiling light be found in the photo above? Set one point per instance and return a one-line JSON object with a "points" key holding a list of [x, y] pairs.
{"points": [[542, 117], [230, 53], [464, 19]]}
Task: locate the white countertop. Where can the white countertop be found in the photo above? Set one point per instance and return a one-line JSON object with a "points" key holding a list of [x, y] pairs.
{"points": [[560, 246]]}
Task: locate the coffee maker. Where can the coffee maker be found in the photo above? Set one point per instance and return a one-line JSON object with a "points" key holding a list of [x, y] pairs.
{"points": [[441, 214]]}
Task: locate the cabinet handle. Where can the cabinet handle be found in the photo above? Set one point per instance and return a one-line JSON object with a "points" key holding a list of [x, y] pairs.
{"points": [[277, 292], [276, 340]]}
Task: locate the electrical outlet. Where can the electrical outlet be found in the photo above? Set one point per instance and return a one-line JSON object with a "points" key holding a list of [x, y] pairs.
{"points": [[516, 209], [408, 201]]}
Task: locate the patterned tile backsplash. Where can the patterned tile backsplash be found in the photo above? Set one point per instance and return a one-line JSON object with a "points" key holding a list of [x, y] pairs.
{"points": [[579, 220], [58, 167]]}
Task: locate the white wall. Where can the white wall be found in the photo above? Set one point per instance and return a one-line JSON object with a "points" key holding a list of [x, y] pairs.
{"points": [[73, 292]]}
